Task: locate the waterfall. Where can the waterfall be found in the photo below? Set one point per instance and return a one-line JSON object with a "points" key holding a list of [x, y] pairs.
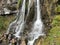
{"points": [[37, 29], [21, 20], [30, 3], [29, 6], [13, 24]]}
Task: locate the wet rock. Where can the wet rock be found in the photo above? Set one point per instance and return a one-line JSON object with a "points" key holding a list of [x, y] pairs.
{"points": [[6, 11], [6, 7]]}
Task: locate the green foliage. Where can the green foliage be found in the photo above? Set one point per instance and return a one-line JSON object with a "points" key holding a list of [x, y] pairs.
{"points": [[54, 34], [19, 1], [57, 8], [2, 23], [5, 21], [56, 21], [55, 31]]}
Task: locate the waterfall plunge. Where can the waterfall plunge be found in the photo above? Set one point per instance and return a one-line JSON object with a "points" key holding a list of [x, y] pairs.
{"points": [[37, 29]]}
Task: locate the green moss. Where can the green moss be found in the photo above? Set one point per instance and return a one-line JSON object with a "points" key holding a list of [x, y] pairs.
{"points": [[5, 21], [55, 31], [56, 21], [53, 37], [19, 1], [57, 8]]}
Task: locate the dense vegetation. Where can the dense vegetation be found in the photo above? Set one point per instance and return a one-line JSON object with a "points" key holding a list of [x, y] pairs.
{"points": [[53, 37]]}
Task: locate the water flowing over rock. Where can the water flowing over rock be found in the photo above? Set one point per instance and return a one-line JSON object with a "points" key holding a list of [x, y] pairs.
{"points": [[19, 23], [32, 21], [21, 19], [37, 29]]}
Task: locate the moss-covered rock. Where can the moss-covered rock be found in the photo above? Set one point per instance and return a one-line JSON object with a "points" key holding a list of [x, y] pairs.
{"points": [[5, 21]]}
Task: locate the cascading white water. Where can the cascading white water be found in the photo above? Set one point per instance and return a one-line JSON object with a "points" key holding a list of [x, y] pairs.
{"points": [[21, 20], [30, 3], [37, 29], [13, 23], [29, 6], [20, 30]]}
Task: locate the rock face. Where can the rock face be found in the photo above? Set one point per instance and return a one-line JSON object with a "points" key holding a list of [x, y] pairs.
{"points": [[6, 6]]}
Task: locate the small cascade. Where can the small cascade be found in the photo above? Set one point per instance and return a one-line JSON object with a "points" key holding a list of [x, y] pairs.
{"points": [[37, 29], [14, 23], [29, 6], [21, 20], [30, 3], [20, 30]]}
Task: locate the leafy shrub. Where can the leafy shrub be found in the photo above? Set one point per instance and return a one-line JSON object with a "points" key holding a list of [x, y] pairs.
{"points": [[56, 21], [57, 8]]}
